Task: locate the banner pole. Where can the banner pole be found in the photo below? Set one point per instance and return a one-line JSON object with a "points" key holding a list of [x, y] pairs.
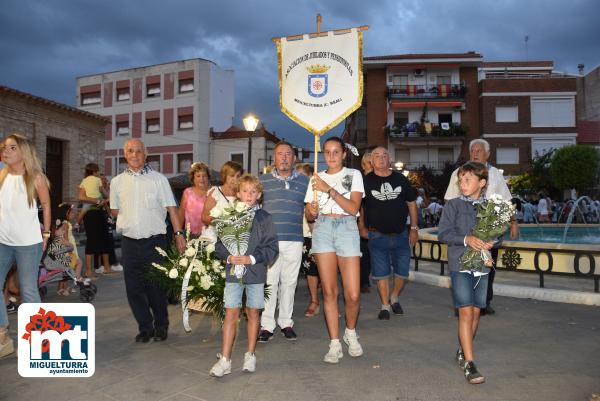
{"points": [[316, 162]]}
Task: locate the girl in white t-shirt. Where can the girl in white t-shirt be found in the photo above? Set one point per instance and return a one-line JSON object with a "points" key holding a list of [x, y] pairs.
{"points": [[336, 242]]}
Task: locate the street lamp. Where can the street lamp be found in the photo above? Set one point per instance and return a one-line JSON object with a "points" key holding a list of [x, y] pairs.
{"points": [[250, 123]]}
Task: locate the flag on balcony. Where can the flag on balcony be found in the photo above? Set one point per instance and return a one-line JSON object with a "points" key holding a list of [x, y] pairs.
{"points": [[320, 78]]}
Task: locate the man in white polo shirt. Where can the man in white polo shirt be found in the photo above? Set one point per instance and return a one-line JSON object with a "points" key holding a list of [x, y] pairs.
{"points": [[140, 199]]}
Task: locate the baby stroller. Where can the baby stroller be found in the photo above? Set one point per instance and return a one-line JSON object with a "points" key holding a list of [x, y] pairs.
{"points": [[51, 271]]}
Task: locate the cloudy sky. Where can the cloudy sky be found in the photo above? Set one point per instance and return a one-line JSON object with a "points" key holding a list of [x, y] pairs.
{"points": [[45, 44]]}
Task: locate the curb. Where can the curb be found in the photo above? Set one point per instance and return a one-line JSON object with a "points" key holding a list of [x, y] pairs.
{"points": [[515, 291]]}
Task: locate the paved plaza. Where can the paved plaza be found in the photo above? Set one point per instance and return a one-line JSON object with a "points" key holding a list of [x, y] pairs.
{"points": [[529, 350]]}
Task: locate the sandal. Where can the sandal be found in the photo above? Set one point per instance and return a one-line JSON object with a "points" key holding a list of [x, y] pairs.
{"points": [[312, 309]]}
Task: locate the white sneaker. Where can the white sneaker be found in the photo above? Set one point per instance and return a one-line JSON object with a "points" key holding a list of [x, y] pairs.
{"points": [[7, 348], [351, 340], [100, 270], [335, 352], [222, 367], [117, 268], [249, 362]]}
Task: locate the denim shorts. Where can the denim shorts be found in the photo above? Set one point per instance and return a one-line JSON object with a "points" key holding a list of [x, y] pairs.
{"points": [[336, 234], [390, 253], [255, 295], [469, 290]]}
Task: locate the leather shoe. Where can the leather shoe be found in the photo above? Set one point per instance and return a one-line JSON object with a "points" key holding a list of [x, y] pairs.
{"points": [[488, 310], [143, 337], [161, 334]]}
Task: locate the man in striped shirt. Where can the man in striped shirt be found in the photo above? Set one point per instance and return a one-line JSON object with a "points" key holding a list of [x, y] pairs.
{"points": [[283, 198]]}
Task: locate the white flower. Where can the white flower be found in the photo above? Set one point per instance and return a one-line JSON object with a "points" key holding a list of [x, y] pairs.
{"points": [[173, 273], [183, 262], [161, 251], [205, 282], [223, 273], [210, 248], [216, 265], [190, 287], [240, 207], [159, 267], [190, 252], [216, 212]]}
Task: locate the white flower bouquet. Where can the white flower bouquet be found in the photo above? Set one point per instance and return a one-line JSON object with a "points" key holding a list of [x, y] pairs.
{"points": [[196, 274], [233, 225], [493, 220]]}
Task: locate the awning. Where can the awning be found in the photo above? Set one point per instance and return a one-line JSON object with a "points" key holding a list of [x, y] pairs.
{"points": [[409, 105]]}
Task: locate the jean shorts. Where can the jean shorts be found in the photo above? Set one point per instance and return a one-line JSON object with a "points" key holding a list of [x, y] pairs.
{"points": [[255, 295], [336, 234], [390, 253], [469, 290]]}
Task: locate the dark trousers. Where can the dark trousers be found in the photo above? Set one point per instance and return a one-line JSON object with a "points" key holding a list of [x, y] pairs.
{"points": [[147, 301], [365, 263], [491, 275]]}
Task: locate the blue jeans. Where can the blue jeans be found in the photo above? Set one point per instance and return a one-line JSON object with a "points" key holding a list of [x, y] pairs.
{"points": [[338, 235], [469, 290], [27, 259], [390, 253], [255, 295]]}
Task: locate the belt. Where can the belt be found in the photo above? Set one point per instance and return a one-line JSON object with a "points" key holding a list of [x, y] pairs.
{"points": [[143, 239], [338, 216]]}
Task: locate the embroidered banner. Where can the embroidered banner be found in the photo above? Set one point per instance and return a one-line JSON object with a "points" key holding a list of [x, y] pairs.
{"points": [[320, 79]]}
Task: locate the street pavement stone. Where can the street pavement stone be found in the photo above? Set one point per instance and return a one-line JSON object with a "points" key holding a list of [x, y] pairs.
{"points": [[529, 350]]}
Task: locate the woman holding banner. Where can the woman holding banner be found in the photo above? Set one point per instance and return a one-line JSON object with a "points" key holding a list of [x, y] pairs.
{"points": [[336, 243]]}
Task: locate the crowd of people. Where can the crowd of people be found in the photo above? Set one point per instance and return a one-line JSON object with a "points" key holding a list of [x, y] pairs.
{"points": [[339, 222]]}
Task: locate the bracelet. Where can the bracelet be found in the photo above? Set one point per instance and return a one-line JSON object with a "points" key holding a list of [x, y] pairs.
{"points": [[416, 228], [179, 232], [46, 234]]}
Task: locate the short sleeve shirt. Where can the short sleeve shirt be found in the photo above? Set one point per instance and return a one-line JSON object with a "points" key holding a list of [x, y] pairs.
{"points": [[385, 202], [345, 181], [92, 184]]}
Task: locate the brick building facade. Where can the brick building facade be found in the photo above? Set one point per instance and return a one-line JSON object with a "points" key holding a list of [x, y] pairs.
{"points": [[66, 138]]}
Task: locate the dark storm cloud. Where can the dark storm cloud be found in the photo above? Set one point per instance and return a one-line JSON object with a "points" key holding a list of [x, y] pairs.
{"points": [[45, 45]]}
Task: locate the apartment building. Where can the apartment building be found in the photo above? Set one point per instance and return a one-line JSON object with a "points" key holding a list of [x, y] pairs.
{"points": [[423, 107], [171, 107], [527, 109], [588, 107]]}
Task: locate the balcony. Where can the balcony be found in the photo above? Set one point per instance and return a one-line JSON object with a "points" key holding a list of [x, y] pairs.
{"points": [[437, 166], [442, 91], [427, 130]]}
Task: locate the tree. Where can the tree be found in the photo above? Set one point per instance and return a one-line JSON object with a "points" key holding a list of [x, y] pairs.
{"points": [[575, 166], [536, 178]]}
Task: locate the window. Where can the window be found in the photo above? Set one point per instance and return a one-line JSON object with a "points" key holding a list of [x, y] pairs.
{"points": [[186, 85], [507, 156], [237, 157], [123, 128], [443, 79], [154, 162], [399, 80], [152, 125], [122, 164], [553, 112], [402, 155], [88, 99], [184, 162], [444, 118], [123, 94], [185, 122], [507, 114], [400, 118], [153, 90]]}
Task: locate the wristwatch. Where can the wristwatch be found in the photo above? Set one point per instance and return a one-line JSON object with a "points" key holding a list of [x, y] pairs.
{"points": [[416, 228], [179, 232]]}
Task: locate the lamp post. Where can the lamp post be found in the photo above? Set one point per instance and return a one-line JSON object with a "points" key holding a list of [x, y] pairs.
{"points": [[250, 123]]}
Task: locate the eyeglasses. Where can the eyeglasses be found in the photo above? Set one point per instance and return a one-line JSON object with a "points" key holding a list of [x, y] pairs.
{"points": [[12, 148]]}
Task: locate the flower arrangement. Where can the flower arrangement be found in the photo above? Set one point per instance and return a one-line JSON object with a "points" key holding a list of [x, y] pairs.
{"points": [[493, 219], [233, 224], [196, 274]]}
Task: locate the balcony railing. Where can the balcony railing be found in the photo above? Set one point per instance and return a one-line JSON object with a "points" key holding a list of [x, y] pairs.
{"points": [[442, 91], [431, 165], [417, 130]]}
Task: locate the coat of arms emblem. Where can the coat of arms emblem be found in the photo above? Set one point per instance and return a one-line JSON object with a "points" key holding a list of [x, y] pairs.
{"points": [[318, 80]]}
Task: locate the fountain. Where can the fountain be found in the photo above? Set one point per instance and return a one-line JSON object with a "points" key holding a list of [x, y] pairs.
{"points": [[574, 208]]}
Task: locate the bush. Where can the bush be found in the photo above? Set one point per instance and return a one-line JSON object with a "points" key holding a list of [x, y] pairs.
{"points": [[576, 167]]}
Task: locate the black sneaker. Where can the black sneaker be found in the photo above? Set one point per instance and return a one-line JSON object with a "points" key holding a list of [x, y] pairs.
{"points": [[264, 336], [488, 310], [472, 374], [161, 334], [12, 307], [288, 333], [143, 337], [460, 358], [384, 315], [397, 309]]}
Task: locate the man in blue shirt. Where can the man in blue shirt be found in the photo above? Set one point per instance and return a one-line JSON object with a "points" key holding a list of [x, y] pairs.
{"points": [[283, 198]]}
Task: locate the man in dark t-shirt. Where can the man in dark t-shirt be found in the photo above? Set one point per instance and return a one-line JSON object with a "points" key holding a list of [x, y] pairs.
{"points": [[389, 199]]}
